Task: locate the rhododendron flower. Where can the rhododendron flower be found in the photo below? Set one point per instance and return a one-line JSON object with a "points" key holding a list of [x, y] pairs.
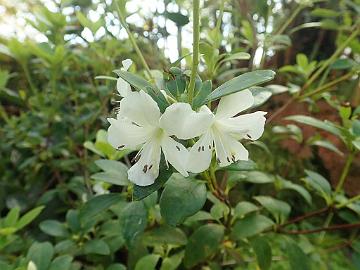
{"points": [[224, 132], [140, 123], [121, 85]]}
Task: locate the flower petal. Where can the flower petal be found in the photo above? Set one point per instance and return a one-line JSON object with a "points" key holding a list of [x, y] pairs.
{"points": [[176, 154], [123, 87], [126, 64], [231, 105], [200, 154], [123, 134], [248, 126], [180, 120], [141, 109], [146, 169], [228, 149]]}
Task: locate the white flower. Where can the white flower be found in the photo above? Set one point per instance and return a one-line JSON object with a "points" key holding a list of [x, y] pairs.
{"points": [[225, 131], [140, 123], [121, 85]]}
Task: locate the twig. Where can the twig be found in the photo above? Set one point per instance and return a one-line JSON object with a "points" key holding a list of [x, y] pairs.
{"points": [[331, 228]]}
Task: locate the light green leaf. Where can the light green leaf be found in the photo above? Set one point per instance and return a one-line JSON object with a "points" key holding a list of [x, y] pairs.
{"points": [[134, 80], [258, 177], [324, 125], [250, 225], [181, 198], [203, 243], [241, 82], [318, 182], [147, 262], [28, 217], [241, 165], [243, 208], [54, 228], [285, 184], [261, 95], [172, 263], [328, 145], [279, 209], [12, 217]]}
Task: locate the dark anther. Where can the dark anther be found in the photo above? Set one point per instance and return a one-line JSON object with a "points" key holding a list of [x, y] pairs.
{"points": [[178, 148], [145, 168]]}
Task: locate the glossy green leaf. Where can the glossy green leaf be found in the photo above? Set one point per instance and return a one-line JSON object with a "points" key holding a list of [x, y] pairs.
{"points": [[164, 235], [61, 263], [173, 262], [204, 91], [318, 182], [133, 220], [181, 198], [28, 217], [243, 208], [135, 80], [241, 82], [147, 262], [297, 258], [96, 246]]}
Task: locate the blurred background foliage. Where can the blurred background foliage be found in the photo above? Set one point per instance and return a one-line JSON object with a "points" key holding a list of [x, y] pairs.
{"points": [[57, 168]]}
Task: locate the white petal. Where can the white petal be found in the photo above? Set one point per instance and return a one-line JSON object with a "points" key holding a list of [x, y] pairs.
{"points": [[123, 87], [141, 109], [231, 105], [146, 169], [200, 154], [176, 154], [126, 64], [180, 120], [248, 126], [228, 149], [123, 134]]}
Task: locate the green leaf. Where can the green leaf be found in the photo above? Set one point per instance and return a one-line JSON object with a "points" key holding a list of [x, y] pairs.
{"points": [[324, 125], [41, 254], [141, 192], [241, 82], [12, 217], [135, 80], [133, 219], [262, 251], [28, 217], [250, 225], [176, 87], [147, 262], [355, 128], [241, 165], [297, 258], [203, 243], [97, 205], [181, 198], [258, 177], [219, 210], [178, 18], [324, 12], [285, 184], [204, 91], [261, 95], [61, 263], [328, 145], [96, 246], [116, 266], [279, 209], [115, 172], [318, 182], [343, 63], [237, 56], [54, 228], [243, 208], [173, 262], [164, 235]]}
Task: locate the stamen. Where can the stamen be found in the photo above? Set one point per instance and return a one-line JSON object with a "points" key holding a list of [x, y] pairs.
{"points": [[178, 148], [199, 149], [145, 168], [136, 158], [135, 124], [120, 147], [203, 148], [209, 147], [233, 158], [218, 160], [150, 167], [228, 159]]}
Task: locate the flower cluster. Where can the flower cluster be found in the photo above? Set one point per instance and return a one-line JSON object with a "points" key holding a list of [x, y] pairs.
{"points": [[140, 125]]}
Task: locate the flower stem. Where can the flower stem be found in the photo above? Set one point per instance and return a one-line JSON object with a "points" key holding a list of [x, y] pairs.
{"points": [[289, 20], [133, 41], [196, 38]]}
